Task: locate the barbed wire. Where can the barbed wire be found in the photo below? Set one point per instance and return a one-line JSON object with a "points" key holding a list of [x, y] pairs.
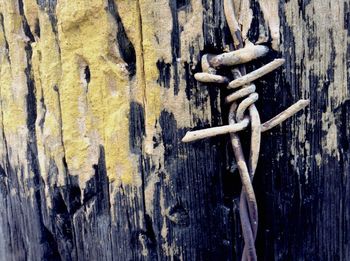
{"points": [[242, 113]]}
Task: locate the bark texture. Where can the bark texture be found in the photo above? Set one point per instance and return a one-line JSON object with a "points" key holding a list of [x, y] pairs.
{"points": [[96, 96]]}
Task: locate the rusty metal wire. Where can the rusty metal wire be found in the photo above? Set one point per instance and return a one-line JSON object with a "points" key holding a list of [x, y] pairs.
{"points": [[242, 112]]}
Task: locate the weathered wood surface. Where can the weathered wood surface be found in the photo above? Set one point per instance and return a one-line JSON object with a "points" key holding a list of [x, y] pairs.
{"points": [[95, 98]]}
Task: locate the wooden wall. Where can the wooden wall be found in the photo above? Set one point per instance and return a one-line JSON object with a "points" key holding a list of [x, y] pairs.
{"points": [[96, 96]]}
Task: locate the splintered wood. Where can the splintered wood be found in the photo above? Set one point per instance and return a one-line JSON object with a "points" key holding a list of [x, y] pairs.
{"points": [[242, 113]]}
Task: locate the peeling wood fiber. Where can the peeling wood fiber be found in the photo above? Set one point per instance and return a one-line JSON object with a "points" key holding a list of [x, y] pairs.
{"points": [[96, 95]]}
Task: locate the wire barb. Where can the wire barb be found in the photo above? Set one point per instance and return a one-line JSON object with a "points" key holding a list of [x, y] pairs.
{"points": [[240, 56], [254, 75], [211, 132], [290, 111]]}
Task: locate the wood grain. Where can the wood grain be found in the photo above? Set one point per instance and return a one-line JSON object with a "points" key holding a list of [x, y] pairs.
{"points": [[96, 96]]}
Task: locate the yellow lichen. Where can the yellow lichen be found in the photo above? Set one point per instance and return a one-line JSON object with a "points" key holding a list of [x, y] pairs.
{"points": [[13, 78], [75, 115], [91, 114]]}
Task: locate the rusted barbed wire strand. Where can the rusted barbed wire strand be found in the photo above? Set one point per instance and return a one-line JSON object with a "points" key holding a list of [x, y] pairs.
{"points": [[248, 205], [237, 119], [248, 209], [248, 213], [249, 217], [232, 23]]}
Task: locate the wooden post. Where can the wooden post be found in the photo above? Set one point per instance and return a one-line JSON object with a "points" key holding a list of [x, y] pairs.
{"points": [[96, 95]]}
